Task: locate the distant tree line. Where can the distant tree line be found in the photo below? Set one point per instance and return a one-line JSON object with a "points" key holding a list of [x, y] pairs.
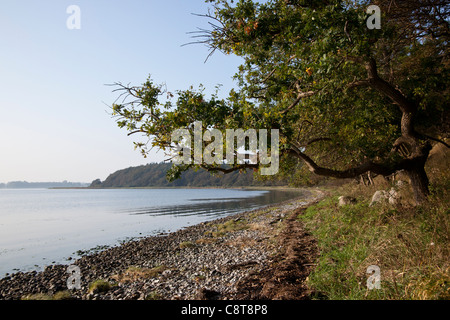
{"points": [[25, 185], [154, 175]]}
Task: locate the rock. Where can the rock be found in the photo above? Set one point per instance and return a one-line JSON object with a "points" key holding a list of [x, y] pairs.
{"points": [[215, 273], [382, 196], [393, 196], [378, 196], [344, 200], [166, 273]]}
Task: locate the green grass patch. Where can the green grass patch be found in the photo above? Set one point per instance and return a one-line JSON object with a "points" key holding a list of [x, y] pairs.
{"points": [[408, 244], [99, 286], [153, 296]]}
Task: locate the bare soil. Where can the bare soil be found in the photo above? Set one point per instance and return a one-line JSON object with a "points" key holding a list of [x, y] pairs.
{"points": [[284, 278]]}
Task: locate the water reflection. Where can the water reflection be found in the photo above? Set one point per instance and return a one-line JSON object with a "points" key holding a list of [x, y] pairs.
{"points": [[214, 207]]}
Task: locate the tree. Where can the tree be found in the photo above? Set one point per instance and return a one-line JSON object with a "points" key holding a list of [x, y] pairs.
{"points": [[346, 99], [97, 183]]}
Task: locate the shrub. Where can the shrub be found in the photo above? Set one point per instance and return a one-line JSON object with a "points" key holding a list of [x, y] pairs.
{"points": [[99, 286]]}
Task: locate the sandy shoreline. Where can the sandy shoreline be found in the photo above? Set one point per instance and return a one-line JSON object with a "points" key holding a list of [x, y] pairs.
{"points": [[211, 260]]}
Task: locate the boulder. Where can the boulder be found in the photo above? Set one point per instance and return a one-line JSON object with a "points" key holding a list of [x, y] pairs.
{"points": [[382, 196]]}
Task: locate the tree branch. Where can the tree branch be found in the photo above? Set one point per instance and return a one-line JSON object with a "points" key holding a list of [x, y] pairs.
{"points": [[346, 31], [407, 108], [434, 139], [387, 89], [300, 96], [315, 140], [358, 83], [384, 169], [274, 69], [223, 170]]}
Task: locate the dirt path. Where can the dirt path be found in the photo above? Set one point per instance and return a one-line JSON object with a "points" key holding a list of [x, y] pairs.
{"points": [[284, 278]]}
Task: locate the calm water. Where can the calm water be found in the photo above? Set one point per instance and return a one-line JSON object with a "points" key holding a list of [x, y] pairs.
{"points": [[39, 227]]}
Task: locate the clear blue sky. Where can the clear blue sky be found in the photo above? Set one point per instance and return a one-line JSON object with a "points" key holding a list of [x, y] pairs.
{"points": [[54, 121]]}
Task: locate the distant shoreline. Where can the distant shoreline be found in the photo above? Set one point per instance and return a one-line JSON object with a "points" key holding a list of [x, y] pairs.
{"points": [[187, 187]]}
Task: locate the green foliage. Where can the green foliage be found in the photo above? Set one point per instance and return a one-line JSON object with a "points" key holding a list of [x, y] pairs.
{"points": [[96, 183], [305, 73], [155, 175]]}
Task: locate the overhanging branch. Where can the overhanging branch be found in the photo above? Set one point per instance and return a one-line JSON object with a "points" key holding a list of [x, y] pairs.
{"points": [[300, 96], [232, 169], [384, 169]]}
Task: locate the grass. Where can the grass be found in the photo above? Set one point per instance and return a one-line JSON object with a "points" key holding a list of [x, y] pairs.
{"points": [[241, 242], [38, 296], [99, 286], [408, 243], [186, 244], [60, 295], [154, 296], [231, 225], [202, 241], [134, 273]]}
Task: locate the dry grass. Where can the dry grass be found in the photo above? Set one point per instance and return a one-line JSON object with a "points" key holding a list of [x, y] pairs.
{"points": [[232, 225], [259, 226], [241, 242], [186, 244], [60, 295], [205, 241], [133, 274]]}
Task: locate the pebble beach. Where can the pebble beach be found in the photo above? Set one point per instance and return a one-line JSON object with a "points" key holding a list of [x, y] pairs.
{"points": [[210, 260]]}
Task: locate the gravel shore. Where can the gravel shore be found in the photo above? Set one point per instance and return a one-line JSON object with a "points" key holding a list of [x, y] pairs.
{"points": [[210, 260]]}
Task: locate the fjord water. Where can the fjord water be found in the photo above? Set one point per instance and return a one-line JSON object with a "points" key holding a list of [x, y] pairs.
{"points": [[39, 227]]}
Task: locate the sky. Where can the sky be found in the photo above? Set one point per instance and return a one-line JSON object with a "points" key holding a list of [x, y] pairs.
{"points": [[55, 121]]}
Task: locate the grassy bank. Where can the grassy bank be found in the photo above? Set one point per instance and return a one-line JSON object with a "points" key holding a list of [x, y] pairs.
{"points": [[410, 244]]}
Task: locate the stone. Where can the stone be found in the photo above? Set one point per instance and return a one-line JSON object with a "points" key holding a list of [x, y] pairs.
{"points": [[378, 197], [393, 196], [382, 196]]}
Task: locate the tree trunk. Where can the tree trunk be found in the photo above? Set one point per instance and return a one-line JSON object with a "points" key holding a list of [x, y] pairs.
{"points": [[419, 183]]}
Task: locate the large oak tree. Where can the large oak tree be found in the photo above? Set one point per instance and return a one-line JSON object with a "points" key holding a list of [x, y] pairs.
{"points": [[347, 99]]}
